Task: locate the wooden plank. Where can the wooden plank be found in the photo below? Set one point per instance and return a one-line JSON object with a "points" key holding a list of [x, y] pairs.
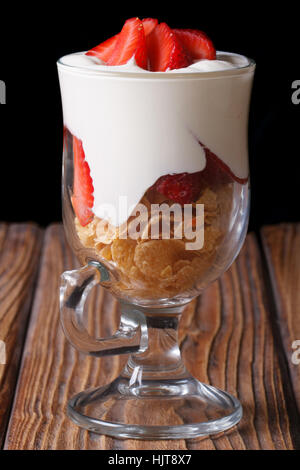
{"points": [[52, 371], [19, 254], [226, 339], [230, 344], [282, 248]]}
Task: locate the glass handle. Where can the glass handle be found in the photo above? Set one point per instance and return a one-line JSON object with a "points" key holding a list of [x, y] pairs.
{"points": [[131, 336]]}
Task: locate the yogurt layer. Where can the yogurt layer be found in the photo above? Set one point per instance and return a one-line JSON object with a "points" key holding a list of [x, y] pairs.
{"points": [[137, 125]]}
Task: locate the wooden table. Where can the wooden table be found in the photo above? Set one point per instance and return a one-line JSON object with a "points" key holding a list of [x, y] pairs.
{"points": [[238, 335]]}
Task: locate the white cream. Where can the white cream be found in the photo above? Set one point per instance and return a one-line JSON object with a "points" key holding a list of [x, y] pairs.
{"points": [[137, 125], [224, 61]]}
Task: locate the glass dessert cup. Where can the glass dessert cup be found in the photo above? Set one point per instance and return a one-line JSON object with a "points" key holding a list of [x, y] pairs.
{"points": [[153, 277]]}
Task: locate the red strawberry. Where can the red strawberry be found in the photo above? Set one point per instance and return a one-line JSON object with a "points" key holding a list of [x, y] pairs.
{"points": [[196, 43], [82, 199], [149, 25], [182, 187], [104, 50], [131, 42], [165, 50]]}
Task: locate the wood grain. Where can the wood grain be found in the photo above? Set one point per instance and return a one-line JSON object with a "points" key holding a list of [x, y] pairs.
{"points": [[230, 344], [282, 248], [52, 371], [19, 254], [226, 338]]}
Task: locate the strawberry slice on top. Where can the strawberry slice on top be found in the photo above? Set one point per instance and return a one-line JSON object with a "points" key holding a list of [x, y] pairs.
{"points": [[165, 51], [131, 42], [104, 50], [196, 43], [149, 25], [83, 189], [154, 46]]}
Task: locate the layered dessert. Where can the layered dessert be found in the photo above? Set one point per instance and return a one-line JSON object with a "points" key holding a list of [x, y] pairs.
{"points": [[156, 128]]}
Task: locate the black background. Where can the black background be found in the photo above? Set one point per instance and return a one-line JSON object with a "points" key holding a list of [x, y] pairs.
{"points": [[31, 121]]}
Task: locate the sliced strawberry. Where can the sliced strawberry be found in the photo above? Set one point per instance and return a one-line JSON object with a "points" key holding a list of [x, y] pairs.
{"points": [[165, 51], [149, 25], [82, 199], [131, 42], [182, 187], [196, 43], [104, 50]]}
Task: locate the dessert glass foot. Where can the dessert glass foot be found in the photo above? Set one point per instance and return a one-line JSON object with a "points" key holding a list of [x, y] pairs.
{"points": [[175, 409]]}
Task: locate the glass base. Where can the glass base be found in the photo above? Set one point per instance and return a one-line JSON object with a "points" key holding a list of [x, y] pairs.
{"points": [[155, 409]]}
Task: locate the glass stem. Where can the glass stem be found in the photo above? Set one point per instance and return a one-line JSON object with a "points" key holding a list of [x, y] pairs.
{"points": [[162, 359]]}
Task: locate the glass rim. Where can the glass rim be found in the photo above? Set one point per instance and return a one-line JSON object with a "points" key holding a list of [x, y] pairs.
{"points": [[148, 75]]}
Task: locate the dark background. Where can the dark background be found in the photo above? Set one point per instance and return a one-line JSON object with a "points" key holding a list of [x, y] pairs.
{"points": [[31, 121]]}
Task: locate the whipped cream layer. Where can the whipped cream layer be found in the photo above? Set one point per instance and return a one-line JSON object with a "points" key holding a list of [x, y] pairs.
{"points": [[137, 125], [224, 61]]}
